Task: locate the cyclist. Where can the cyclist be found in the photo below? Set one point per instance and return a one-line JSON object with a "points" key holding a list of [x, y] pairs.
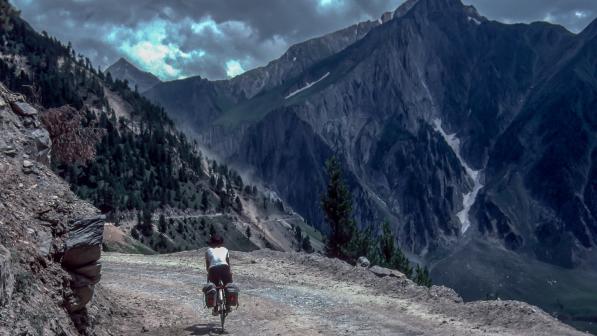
{"points": [[217, 263]]}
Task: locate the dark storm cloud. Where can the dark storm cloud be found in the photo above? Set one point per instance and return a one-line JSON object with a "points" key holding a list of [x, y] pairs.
{"points": [[220, 38]]}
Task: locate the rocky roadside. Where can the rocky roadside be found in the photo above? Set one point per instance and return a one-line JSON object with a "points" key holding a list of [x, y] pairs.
{"points": [[50, 241]]}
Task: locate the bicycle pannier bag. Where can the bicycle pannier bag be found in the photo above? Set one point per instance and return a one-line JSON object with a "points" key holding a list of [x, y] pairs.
{"points": [[209, 291], [231, 294]]}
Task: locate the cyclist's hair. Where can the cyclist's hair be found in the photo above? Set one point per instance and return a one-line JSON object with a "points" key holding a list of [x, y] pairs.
{"points": [[215, 240]]}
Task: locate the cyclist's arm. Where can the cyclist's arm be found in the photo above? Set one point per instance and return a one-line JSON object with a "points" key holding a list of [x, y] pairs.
{"points": [[228, 259]]}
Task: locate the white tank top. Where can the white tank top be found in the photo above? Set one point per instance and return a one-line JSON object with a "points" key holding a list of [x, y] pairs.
{"points": [[217, 256]]}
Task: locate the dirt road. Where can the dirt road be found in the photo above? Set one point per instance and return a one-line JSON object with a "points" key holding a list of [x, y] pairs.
{"points": [[298, 294]]}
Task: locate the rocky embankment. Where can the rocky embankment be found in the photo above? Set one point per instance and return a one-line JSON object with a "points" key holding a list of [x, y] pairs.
{"points": [[302, 294], [50, 241]]}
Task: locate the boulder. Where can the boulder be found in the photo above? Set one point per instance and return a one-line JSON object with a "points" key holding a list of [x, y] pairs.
{"points": [[91, 272], [27, 166], [81, 296], [7, 149], [384, 272], [6, 277], [23, 109], [363, 262], [40, 145], [82, 251], [84, 243]]}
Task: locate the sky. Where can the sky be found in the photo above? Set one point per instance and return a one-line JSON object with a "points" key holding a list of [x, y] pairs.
{"points": [[219, 39]]}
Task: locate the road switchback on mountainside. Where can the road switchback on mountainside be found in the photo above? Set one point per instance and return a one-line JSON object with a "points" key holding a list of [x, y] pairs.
{"points": [[299, 294]]}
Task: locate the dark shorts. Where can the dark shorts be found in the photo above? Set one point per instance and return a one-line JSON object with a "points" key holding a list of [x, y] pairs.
{"points": [[219, 273]]}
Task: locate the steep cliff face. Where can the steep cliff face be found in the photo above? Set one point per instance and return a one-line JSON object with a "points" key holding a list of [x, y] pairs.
{"points": [[549, 150]]}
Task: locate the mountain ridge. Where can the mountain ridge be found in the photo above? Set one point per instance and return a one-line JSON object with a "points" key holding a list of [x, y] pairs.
{"points": [[375, 103]]}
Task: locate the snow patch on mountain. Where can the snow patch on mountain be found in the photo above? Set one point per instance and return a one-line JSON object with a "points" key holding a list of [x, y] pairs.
{"points": [[468, 199], [307, 86], [472, 19]]}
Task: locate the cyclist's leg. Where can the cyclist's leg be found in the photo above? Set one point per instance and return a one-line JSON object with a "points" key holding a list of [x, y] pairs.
{"points": [[226, 275], [214, 277]]}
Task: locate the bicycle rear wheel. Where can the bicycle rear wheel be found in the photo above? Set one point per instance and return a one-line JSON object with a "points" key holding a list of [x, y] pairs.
{"points": [[222, 317]]}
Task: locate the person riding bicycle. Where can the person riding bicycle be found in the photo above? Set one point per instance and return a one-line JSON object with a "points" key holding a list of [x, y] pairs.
{"points": [[217, 263]]}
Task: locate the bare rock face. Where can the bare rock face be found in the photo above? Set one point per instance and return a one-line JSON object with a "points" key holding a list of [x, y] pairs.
{"points": [[23, 109], [6, 276], [40, 145], [83, 249], [386, 272]]}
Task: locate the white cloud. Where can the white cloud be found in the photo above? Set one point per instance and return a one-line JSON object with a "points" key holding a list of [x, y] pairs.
{"points": [[155, 46], [581, 14], [233, 68]]}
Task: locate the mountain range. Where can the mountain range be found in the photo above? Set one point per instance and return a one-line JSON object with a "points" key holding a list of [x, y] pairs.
{"points": [[475, 139]]}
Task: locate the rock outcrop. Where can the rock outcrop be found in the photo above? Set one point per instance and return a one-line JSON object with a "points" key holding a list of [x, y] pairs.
{"points": [[83, 248]]}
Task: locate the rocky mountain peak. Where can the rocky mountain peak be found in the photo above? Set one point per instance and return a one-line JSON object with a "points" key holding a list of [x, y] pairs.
{"points": [[591, 29], [443, 7], [122, 62], [405, 8], [472, 12], [125, 70]]}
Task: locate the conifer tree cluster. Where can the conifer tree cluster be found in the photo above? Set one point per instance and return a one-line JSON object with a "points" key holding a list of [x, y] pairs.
{"points": [[54, 76], [138, 163], [347, 242], [303, 241]]}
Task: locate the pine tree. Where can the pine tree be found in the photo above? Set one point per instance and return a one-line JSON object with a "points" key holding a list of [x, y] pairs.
{"points": [[238, 203], [422, 277], [391, 255], [220, 184], [387, 244], [306, 244], [362, 243], [204, 201], [135, 234], [400, 262], [162, 224], [144, 224], [298, 234], [248, 232], [337, 207]]}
